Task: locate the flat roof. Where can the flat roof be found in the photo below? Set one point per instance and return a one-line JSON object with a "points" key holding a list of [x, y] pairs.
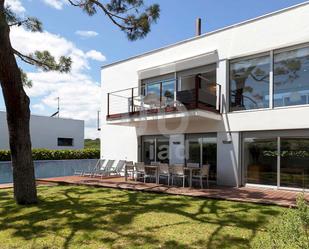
{"points": [[207, 34], [42, 116]]}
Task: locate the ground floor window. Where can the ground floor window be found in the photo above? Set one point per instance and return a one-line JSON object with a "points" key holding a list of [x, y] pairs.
{"points": [[202, 149], [294, 162], [155, 149], [261, 160], [198, 148], [279, 161]]}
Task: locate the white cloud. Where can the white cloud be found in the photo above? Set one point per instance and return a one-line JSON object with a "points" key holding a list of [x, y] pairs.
{"points": [[16, 6], [86, 33], [57, 4], [38, 107], [95, 55], [80, 95]]}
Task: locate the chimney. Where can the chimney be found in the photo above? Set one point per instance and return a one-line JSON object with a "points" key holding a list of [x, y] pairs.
{"points": [[198, 27]]}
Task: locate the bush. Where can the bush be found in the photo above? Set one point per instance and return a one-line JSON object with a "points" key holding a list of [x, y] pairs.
{"points": [[291, 230], [44, 154]]}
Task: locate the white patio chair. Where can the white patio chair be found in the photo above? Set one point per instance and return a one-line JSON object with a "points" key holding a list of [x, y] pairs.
{"points": [[164, 171], [203, 173], [178, 172]]}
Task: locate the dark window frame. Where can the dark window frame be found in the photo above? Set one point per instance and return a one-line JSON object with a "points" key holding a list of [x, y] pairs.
{"points": [[65, 141]]}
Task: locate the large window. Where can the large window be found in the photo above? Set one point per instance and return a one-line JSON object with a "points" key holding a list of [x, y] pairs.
{"points": [[155, 149], [281, 160], [249, 83], [199, 148], [291, 77], [294, 168], [202, 149], [163, 89], [260, 158]]}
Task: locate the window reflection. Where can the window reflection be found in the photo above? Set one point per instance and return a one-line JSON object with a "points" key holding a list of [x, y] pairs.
{"points": [[291, 78], [294, 168], [260, 158], [249, 84]]}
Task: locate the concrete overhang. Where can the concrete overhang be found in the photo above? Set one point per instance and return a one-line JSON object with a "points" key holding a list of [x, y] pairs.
{"points": [[178, 116]]}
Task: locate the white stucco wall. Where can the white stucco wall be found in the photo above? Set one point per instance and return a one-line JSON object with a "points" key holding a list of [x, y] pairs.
{"points": [[278, 30], [45, 132]]}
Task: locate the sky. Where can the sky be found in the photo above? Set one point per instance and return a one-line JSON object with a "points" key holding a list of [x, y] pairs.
{"points": [[94, 41]]}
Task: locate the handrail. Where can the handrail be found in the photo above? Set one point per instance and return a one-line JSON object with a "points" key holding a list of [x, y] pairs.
{"points": [[132, 101]]}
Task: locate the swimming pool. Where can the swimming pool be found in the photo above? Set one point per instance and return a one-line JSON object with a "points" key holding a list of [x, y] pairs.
{"points": [[49, 168]]}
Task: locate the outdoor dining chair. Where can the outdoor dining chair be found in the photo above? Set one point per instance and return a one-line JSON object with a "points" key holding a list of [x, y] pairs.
{"points": [[142, 173], [129, 168], [164, 172], [178, 171], [140, 170], [203, 173]]}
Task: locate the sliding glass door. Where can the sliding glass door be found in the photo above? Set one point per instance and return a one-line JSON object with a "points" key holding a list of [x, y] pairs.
{"points": [[294, 162], [260, 158], [155, 149], [202, 149], [281, 161]]}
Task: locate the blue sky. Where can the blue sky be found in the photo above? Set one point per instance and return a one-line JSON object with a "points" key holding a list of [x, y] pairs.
{"points": [[108, 44]]}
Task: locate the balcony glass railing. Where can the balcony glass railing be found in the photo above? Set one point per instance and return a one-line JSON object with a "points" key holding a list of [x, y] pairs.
{"points": [[136, 101]]}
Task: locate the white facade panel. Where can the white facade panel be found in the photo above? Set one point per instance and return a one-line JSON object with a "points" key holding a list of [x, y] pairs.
{"points": [[45, 132], [262, 35]]}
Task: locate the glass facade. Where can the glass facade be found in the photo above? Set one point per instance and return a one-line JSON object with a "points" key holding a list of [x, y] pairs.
{"points": [[249, 84], [155, 149], [167, 87], [291, 77], [279, 161], [260, 158], [199, 148], [294, 162]]}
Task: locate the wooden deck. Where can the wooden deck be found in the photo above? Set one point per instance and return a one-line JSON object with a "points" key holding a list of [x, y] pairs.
{"points": [[243, 194]]}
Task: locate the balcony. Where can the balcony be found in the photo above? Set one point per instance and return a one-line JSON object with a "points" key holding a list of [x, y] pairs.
{"points": [[155, 101]]}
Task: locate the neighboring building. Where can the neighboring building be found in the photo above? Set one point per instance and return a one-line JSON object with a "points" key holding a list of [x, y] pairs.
{"points": [[48, 132], [236, 98]]}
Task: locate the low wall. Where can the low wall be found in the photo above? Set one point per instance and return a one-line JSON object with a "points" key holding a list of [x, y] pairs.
{"points": [[49, 168]]}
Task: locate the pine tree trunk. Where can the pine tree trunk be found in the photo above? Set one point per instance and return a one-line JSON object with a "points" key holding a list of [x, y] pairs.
{"points": [[18, 118]]}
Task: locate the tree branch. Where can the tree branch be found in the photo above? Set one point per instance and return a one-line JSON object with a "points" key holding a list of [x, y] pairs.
{"points": [[29, 60], [109, 14]]}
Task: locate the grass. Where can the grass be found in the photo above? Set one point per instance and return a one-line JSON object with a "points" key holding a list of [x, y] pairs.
{"points": [[86, 217], [92, 144]]}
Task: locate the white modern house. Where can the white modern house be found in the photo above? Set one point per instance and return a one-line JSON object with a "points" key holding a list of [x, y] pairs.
{"points": [[235, 98], [48, 132]]}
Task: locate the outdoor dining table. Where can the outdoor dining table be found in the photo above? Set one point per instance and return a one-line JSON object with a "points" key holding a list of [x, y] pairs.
{"points": [[156, 168], [191, 170]]}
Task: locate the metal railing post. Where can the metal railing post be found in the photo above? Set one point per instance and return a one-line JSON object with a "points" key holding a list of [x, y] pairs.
{"points": [[197, 85], [107, 104], [132, 100], [160, 95], [218, 93]]}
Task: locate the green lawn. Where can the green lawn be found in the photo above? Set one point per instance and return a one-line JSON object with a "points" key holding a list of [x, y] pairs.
{"points": [[86, 217]]}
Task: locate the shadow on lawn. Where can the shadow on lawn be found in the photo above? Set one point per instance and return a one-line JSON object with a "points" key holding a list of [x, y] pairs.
{"points": [[86, 211]]}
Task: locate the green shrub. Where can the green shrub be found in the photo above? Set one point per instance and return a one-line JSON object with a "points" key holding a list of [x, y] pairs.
{"points": [[44, 154], [289, 231]]}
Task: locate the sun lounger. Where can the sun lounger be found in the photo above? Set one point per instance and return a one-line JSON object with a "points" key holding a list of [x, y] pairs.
{"points": [[90, 173]]}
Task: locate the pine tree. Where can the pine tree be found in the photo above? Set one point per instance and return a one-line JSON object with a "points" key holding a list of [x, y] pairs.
{"points": [[130, 16]]}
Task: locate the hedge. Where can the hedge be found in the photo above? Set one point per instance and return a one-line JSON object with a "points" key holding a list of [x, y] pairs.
{"points": [[44, 154]]}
